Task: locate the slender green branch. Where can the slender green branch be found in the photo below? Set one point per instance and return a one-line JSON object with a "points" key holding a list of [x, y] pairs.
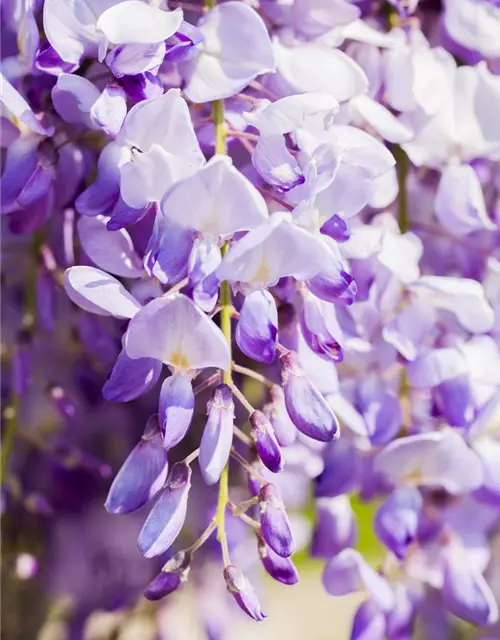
{"points": [[402, 168]]}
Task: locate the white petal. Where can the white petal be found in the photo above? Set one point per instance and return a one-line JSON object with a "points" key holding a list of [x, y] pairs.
{"points": [[307, 110], [232, 56], [306, 67], [381, 120], [97, 292], [136, 22]]}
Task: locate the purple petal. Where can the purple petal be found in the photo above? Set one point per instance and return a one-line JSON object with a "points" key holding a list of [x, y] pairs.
{"points": [[20, 164], [306, 406], [131, 378], [257, 329], [280, 569], [368, 622], [166, 518], [175, 409], [243, 593], [172, 576], [336, 228], [217, 435], [142, 474], [265, 442], [276, 529], [37, 186]]}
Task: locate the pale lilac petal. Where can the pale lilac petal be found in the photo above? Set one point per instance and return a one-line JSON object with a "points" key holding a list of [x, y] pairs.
{"points": [[165, 121], [311, 111], [217, 200], [227, 64], [217, 435], [348, 572], [109, 110], [149, 175], [433, 459], [95, 291], [111, 251], [174, 330], [459, 204], [73, 97], [465, 298], [276, 164], [262, 257], [434, 367]]}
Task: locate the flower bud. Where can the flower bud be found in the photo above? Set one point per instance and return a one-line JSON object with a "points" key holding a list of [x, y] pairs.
{"points": [[218, 434], [243, 593], [166, 518], [265, 441], [281, 569], [276, 529], [173, 575], [175, 409], [307, 408], [142, 474], [257, 329]]}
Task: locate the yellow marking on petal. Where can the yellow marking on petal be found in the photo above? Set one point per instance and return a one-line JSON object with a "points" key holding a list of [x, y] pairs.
{"points": [[179, 360], [413, 477], [263, 274]]}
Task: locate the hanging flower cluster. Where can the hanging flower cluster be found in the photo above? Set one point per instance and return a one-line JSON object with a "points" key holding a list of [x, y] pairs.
{"points": [[297, 198]]}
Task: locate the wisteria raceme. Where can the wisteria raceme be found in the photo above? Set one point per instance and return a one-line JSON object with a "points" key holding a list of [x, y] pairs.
{"points": [[251, 279]]}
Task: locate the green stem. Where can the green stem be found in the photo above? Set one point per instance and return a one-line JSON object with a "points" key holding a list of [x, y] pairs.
{"points": [[225, 314], [402, 168]]}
